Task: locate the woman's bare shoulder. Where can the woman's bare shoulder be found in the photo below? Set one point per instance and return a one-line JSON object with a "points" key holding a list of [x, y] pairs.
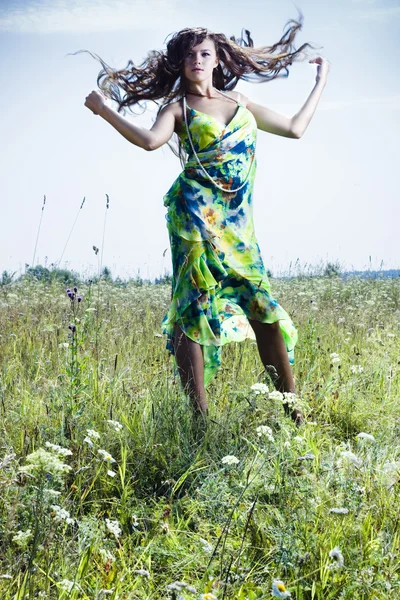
{"points": [[238, 97], [174, 110]]}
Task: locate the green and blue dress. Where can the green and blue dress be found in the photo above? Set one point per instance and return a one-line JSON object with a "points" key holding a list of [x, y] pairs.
{"points": [[219, 279]]}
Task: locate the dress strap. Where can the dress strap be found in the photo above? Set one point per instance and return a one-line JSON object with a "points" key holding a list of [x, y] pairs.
{"points": [[230, 97]]}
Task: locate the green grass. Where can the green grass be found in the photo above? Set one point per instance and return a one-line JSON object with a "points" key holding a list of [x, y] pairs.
{"points": [[183, 515]]}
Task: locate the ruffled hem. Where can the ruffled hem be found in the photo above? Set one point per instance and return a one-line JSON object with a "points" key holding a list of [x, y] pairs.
{"points": [[211, 304]]}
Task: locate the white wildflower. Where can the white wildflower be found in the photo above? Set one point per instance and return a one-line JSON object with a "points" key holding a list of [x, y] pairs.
{"points": [[259, 388], [339, 511], [6, 576], [350, 457], [106, 555], [207, 547], [63, 345], [279, 589], [265, 431], [335, 360], [88, 441], [106, 456], [164, 528], [275, 395], [67, 586], [337, 558], [365, 436], [390, 473], [135, 521], [290, 398], [114, 528], [94, 435], [356, 369], [22, 538], [58, 449], [230, 460], [111, 473], [142, 572], [43, 461], [60, 514], [116, 425], [334, 355]]}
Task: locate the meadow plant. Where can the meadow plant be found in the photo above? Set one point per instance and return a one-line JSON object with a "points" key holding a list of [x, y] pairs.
{"points": [[108, 489]]}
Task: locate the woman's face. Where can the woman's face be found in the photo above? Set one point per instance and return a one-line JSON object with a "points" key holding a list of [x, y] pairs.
{"points": [[200, 62]]}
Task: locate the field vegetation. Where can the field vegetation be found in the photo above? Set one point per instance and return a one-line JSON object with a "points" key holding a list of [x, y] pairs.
{"points": [[111, 488]]}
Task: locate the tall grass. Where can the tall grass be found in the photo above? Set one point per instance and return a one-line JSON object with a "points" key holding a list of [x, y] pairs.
{"points": [[157, 514]]}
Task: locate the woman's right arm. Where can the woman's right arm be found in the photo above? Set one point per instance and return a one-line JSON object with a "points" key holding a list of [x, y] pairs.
{"points": [[148, 139]]}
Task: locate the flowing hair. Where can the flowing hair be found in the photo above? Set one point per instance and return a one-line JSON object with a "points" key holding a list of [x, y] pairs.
{"points": [[160, 76]]}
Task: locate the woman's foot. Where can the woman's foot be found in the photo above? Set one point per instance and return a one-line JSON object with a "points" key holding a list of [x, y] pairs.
{"points": [[298, 417]]}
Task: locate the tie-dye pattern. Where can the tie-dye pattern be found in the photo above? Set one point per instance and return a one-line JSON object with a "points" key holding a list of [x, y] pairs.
{"points": [[219, 279]]}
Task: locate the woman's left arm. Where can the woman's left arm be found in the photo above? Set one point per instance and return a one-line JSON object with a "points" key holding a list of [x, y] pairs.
{"points": [[294, 127]]}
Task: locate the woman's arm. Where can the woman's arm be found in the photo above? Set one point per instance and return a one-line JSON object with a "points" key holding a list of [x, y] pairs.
{"points": [[294, 127], [148, 139]]}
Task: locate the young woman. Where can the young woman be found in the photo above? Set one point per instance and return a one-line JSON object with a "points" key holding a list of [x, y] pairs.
{"points": [[220, 290]]}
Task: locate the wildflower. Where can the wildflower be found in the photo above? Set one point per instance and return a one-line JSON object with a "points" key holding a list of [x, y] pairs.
{"points": [[208, 596], [275, 395], [308, 456], [207, 547], [63, 345], [334, 355], [230, 460], [164, 528], [79, 298], [365, 436], [290, 398], [72, 327], [106, 555], [22, 538], [59, 449], [337, 558], [264, 430], [111, 473], [356, 369], [339, 511], [88, 441], [93, 434], [114, 528], [142, 572], [106, 456], [67, 586], [116, 425], [279, 590], [135, 522], [335, 360], [60, 514], [259, 388], [348, 456], [42, 461]]}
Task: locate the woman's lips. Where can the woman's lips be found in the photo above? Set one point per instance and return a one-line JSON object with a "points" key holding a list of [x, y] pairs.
{"points": [[197, 69]]}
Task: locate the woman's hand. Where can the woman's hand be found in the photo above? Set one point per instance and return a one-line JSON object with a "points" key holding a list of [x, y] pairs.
{"points": [[95, 101], [322, 69]]}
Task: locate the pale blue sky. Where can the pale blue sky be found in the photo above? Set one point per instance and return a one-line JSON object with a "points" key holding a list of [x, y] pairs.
{"points": [[332, 195]]}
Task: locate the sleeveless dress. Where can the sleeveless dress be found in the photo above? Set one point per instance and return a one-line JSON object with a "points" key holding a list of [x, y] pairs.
{"points": [[218, 279]]}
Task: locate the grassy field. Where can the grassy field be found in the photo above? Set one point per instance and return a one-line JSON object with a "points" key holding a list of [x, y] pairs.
{"points": [[110, 488]]}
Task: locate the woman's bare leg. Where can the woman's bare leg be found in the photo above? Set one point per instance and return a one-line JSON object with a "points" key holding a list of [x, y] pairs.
{"points": [[190, 362], [272, 350]]}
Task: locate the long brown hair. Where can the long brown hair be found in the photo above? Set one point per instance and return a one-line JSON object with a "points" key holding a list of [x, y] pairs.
{"points": [[159, 78]]}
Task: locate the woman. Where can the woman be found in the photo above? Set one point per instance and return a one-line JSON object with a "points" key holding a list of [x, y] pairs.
{"points": [[220, 291]]}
